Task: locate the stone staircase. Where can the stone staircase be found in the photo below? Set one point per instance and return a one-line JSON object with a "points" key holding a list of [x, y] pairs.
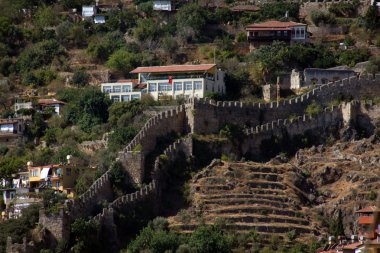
{"points": [[246, 196]]}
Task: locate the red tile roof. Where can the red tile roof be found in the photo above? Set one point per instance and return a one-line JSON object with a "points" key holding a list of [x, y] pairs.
{"points": [[274, 24], [368, 209], [240, 8], [173, 68], [365, 220], [268, 29], [352, 245]]}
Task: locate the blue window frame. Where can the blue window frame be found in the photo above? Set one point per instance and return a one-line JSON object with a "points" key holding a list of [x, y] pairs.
{"points": [[197, 85], [178, 86], [107, 89], [127, 88], [152, 87], [117, 89], [188, 85], [164, 87], [135, 96]]}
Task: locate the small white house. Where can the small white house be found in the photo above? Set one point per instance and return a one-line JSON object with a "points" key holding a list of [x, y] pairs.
{"points": [[51, 102], [88, 11], [162, 5]]}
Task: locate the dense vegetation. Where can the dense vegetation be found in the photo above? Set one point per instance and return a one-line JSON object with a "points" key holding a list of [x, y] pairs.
{"points": [[43, 47]]}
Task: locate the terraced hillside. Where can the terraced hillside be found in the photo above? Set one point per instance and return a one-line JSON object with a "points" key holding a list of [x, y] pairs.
{"points": [[246, 196]]}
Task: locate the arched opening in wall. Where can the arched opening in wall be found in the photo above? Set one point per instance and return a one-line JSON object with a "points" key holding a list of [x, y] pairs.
{"points": [[314, 81], [205, 122]]}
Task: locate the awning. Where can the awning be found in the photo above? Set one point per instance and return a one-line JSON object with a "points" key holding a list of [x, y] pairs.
{"points": [[44, 173]]}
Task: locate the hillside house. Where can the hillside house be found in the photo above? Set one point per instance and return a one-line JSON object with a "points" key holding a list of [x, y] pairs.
{"points": [[162, 82], [267, 32], [54, 176], [53, 103], [181, 81], [11, 129], [88, 11], [162, 5]]}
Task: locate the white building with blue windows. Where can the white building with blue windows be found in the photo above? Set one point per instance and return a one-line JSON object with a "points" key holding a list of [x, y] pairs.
{"points": [[162, 82]]}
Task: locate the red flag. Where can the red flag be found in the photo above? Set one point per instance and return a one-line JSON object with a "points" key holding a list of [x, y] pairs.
{"points": [[170, 79]]}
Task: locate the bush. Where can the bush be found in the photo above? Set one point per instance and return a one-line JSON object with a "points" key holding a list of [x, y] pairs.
{"points": [[123, 61], [207, 239], [80, 78], [320, 17], [313, 109]]}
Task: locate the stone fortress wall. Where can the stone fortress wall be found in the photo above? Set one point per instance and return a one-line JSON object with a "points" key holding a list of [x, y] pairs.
{"points": [[210, 115], [207, 116]]}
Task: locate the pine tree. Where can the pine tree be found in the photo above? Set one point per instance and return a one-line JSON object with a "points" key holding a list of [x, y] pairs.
{"points": [[371, 17]]}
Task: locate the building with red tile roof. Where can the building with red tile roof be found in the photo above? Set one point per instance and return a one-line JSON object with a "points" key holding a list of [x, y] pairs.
{"points": [[163, 82], [269, 31]]}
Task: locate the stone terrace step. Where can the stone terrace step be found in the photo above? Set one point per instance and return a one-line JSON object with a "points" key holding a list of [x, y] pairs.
{"points": [[259, 209], [259, 227], [243, 218], [252, 201], [218, 197]]}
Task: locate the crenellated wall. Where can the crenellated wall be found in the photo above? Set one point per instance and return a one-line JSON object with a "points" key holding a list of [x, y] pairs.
{"points": [[210, 115], [134, 154], [319, 124], [152, 190], [98, 191]]}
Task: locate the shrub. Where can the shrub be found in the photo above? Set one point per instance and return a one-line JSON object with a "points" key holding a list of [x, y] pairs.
{"points": [[320, 17], [80, 78], [313, 109], [372, 195], [209, 239]]}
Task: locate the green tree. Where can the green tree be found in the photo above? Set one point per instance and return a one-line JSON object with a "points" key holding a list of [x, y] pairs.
{"points": [[85, 236], [156, 240], [38, 55], [191, 21], [207, 239], [45, 16], [10, 165], [80, 78], [123, 61], [371, 18]]}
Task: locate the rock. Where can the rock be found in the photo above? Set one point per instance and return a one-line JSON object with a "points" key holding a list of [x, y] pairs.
{"points": [[374, 139], [320, 148]]}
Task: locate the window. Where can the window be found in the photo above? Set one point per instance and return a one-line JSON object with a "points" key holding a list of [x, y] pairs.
{"points": [[278, 33], [115, 98], [178, 86], [125, 98], [164, 87], [117, 89], [302, 33], [285, 33], [197, 85], [68, 171], [127, 88], [58, 184], [152, 87], [135, 96], [107, 89], [35, 173], [188, 85], [297, 33]]}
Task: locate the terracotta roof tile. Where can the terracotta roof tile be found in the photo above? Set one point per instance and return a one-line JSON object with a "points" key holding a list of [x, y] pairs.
{"points": [[239, 8], [368, 209], [274, 24], [173, 68]]}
